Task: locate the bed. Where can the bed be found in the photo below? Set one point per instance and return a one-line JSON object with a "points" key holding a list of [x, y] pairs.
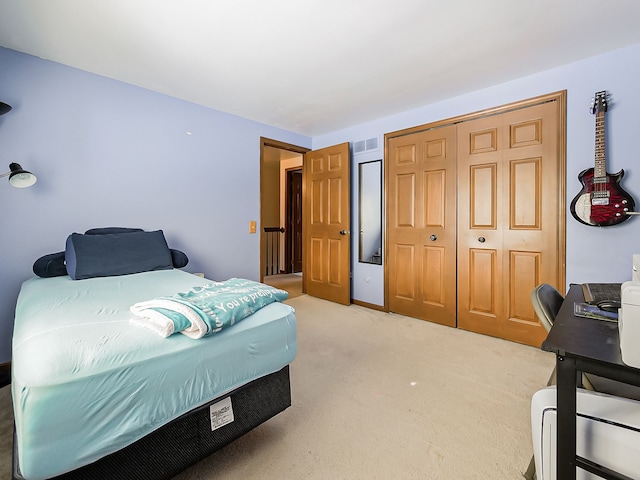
{"points": [[96, 396]]}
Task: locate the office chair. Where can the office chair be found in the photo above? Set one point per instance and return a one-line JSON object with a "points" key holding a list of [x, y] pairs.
{"points": [[546, 301]]}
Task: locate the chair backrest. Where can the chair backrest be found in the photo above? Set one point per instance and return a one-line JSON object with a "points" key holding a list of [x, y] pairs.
{"points": [[546, 302]]}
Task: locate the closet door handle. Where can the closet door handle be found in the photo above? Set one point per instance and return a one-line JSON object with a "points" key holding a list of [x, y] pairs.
{"points": [[481, 239], [433, 237], [343, 232]]}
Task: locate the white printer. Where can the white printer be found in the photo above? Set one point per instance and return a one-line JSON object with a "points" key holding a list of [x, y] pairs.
{"points": [[629, 320]]}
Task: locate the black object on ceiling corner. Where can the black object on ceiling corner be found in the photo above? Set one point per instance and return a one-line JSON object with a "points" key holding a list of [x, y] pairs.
{"points": [[4, 108]]}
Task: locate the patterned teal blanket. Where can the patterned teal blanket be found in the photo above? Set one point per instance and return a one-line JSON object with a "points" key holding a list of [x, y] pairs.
{"points": [[206, 309]]}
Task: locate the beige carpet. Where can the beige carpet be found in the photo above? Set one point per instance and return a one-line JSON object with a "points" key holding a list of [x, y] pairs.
{"points": [[290, 282], [383, 396]]}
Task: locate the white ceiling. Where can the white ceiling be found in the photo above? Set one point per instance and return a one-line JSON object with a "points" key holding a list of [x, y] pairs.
{"points": [[314, 66]]}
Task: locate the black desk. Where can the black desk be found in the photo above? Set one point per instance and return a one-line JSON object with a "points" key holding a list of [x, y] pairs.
{"points": [[582, 345]]}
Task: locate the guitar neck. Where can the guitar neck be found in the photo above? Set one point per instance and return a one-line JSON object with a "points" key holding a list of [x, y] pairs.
{"points": [[600, 170]]}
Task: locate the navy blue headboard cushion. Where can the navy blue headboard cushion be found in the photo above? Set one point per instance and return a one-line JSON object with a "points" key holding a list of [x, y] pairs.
{"points": [[53, 265], [178, 258], [111, 254]]}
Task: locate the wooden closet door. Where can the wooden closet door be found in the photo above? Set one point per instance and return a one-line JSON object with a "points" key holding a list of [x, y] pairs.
{"points": [[421, 183], [508, 220]]}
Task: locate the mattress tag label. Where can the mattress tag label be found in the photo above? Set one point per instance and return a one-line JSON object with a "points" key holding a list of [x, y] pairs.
{"points": [[221, 413]]}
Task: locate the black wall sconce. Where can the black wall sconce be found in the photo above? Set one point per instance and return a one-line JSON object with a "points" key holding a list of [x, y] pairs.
{"points": [[18, 177], [4, 108]]}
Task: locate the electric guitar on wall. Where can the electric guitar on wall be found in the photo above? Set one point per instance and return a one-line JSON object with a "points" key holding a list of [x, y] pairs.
{"points": [[601, 202]]}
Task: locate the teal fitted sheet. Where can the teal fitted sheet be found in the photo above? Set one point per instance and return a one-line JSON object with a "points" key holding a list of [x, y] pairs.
{"points": [[86, 382]]}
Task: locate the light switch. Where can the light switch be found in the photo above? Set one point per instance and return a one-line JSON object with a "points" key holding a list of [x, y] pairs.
{"points": [[252, 226]]}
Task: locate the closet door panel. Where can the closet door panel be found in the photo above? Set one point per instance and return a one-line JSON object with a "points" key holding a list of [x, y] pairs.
{"points": [[483, 205], [524, 275], [434, 265], [405, 195], [526, 194], [479, 250], [483, 287], [509, 167], [421, 184], [405, 279]]}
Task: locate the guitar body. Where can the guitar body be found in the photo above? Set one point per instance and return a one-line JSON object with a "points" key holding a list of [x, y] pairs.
{"points": [[602, 202]]}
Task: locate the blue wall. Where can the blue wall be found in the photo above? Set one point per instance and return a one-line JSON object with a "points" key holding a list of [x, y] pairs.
{"points": [[593, 253], [110, 154]]}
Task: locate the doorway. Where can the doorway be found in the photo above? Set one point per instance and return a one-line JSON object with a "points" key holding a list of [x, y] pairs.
{"points": [[280, 215], [293, 215], [325, 246]]}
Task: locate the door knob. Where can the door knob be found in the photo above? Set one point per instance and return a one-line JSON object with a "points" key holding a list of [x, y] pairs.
{"points": [[481, 239], [433, 238], [344, 232]]}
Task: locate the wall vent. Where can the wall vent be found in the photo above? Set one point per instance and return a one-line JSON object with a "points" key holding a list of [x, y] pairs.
{"points": [[368, 145], [359, 146]]}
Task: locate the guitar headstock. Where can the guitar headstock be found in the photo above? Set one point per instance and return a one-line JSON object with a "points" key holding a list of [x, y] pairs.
{"points": [[600, 103]]}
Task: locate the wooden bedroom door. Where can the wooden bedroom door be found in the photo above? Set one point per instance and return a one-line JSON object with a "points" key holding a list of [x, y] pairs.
{"points": [[422, 225], [326, 217], [293, 229], [509, 220]]}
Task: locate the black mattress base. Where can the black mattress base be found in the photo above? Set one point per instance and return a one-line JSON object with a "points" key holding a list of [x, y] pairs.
{"points": [[188, 439]]}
